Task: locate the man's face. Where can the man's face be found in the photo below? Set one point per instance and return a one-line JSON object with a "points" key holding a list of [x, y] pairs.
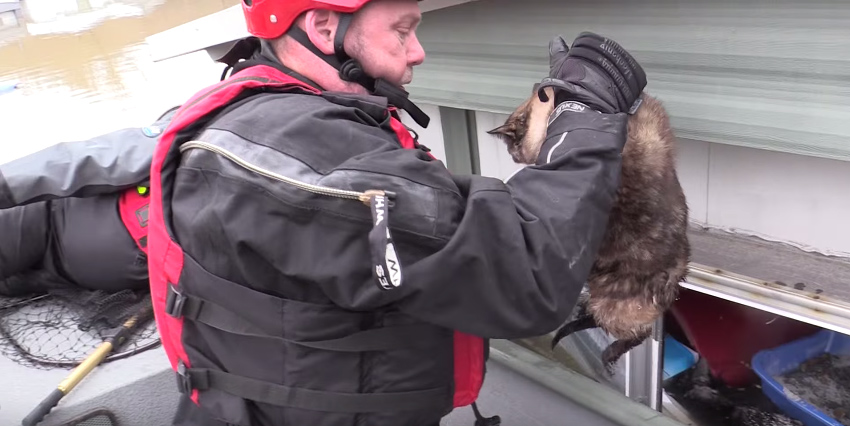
{"points": [[382, 37]]}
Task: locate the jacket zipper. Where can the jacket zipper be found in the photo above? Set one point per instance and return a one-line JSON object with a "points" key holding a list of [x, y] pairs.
{"points": [[365, 197], [386, 268]]}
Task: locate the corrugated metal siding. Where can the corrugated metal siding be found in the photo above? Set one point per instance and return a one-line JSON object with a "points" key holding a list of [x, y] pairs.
{"points": [[757, 73]]}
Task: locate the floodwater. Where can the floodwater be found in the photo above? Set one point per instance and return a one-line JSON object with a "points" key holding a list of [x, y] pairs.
{"points": [[84, 68]]}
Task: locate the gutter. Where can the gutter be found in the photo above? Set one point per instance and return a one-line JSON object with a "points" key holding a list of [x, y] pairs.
{"points": [[810, 308]]}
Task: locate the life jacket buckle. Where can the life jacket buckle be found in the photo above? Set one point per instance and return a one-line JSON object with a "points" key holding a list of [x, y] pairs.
{"points": [[184, 380], [174, 301]]}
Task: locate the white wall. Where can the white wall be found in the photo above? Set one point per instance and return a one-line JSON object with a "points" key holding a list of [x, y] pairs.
{"points": [[783, 197], [495, 161], [786, 197]]}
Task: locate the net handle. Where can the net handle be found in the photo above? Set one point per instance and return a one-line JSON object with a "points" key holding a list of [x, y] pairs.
{"points": [[144, 313]]}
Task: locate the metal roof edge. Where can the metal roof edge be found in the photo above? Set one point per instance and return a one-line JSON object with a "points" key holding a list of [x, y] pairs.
{"points": [[223, 28]]}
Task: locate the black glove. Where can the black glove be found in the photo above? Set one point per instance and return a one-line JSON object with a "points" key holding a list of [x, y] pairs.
{"points": [[597, 72]]}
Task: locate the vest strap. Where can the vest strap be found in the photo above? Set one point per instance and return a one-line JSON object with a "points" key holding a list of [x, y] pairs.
{"points": [[400, 337], [189, 379]]}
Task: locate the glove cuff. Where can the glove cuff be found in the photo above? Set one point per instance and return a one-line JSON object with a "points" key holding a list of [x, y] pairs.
{"points": [[566, 91], [569, 93], [569, 106]]}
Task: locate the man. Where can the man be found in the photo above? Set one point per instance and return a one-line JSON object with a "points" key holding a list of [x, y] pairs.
{"points": [[75, 214], [311, 264]]}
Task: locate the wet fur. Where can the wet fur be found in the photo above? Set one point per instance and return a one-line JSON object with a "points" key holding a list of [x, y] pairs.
{"points": [[645, 250]]}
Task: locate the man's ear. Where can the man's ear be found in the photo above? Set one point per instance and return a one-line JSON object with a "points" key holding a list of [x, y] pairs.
{"points": [[320, 26]]}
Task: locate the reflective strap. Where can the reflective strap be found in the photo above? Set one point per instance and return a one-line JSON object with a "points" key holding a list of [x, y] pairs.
{"points": [[307, 399], [400, 337]]}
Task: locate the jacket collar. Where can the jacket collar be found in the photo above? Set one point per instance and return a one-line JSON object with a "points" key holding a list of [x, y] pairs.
{"points": [[256, 51]]}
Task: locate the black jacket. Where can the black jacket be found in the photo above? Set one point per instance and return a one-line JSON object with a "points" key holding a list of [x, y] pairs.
{"points": [[489, 258]]}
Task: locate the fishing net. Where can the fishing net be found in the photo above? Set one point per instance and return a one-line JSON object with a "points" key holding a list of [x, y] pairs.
{"points": [[60, 328]]}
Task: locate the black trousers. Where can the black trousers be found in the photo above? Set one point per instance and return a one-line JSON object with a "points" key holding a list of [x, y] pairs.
{"points": [[82, 241], [23, 238]]}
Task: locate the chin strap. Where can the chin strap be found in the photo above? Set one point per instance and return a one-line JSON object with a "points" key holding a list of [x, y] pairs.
{"points": [[350, 70]]}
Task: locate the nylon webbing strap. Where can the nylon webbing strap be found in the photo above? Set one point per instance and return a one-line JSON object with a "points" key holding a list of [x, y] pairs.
{"points": [[339, 38], [378, 339], [301, 37], [395, 95], [196, 309], [307, 399], [381, 339]]}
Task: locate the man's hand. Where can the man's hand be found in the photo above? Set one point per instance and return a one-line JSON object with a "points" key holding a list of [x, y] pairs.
{"points": [[596, 71]]}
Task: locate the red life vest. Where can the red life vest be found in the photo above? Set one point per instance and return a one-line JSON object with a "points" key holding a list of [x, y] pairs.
{"points": [[166, 257]]}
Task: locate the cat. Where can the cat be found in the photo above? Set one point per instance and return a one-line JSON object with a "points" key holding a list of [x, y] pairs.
{"points": [[645, 251]]}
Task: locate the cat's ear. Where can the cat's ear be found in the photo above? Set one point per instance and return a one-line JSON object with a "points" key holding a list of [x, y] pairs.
{"points": [[505, 131]]}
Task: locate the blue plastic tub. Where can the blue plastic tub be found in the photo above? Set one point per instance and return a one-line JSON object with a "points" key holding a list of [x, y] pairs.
{"points": [[774, 362], [677, 357]]}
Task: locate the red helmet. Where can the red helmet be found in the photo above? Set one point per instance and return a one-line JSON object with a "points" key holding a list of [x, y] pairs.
{"points": [[271, 18]]}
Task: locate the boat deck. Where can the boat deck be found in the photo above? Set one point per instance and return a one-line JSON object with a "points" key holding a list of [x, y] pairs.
{"points": [[521, 387]]}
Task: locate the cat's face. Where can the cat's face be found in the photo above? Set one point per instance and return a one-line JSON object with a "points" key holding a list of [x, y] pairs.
{"points": [[525, 129], [513, 132]]}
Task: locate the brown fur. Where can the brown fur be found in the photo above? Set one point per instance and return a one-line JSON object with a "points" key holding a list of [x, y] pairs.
{"points": [[645, 251]]}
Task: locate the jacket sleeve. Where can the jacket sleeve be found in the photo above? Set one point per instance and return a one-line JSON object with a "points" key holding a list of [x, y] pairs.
{"points": [[519, 256], [104, 164]]}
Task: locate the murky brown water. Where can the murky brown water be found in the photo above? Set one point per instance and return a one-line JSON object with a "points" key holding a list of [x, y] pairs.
{"points": [[84, 68]]}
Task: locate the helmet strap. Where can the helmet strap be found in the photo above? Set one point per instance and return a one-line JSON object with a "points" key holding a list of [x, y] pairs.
{"points": [[251, 51], [350, 70]]}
